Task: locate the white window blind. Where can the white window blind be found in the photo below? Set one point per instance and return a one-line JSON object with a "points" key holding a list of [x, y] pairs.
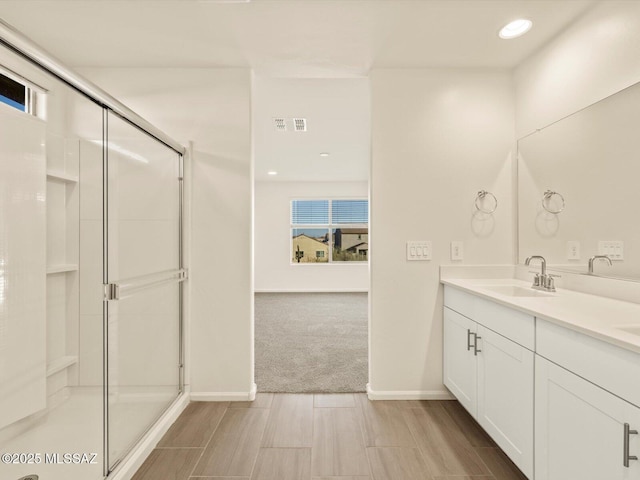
{"points": [[310, 212], [349, 211]]}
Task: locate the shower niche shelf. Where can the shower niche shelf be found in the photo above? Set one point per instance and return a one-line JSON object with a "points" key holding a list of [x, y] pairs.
{"points": [[60, 364], [62, 268], [63, 259], [61, 177]]}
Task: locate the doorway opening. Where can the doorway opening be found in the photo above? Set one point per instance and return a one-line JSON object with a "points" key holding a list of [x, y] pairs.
{"points": [[311, 234]]}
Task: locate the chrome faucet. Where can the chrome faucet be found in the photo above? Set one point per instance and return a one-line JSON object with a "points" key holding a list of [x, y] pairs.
{"points": [[543, 264], [597, 257], [542, 280]]}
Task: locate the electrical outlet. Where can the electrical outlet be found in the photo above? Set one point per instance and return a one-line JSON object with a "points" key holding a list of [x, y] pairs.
{"points": [[573, 250], [457, 252], [419, 250]]}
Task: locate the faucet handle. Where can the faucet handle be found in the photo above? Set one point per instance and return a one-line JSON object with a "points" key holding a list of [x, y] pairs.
{"points": [[536, 278], [548, 282]]}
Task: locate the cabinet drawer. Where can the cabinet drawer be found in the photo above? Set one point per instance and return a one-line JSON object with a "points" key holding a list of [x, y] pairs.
{"points": [[612, 368], [516, 326]]}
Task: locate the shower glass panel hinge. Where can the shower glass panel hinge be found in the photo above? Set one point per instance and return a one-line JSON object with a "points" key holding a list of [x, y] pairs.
{"points": [[111, 292]]}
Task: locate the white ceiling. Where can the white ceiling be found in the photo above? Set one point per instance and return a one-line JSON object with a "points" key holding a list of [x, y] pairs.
{"points": [[337, 113], [322, 38], [303, 39]]}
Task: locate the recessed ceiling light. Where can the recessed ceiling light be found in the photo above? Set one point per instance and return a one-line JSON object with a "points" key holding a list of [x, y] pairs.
{"points": [[324, 154], [272, 172], [515, 29]]}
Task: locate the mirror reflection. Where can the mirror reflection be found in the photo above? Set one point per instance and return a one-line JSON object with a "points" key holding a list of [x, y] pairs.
{"points": [[578, 189]]}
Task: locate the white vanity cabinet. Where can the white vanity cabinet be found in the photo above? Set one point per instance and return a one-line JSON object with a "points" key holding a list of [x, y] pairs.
{"points": [[488, 366], [460, 363], [580, 429], [585, 416]]}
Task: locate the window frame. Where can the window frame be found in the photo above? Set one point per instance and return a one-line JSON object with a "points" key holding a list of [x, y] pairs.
{"points": [[33, 94], [329, 227]]}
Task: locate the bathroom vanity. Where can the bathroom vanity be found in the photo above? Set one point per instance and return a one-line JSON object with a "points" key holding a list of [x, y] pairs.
{"points": [[554, 378]]}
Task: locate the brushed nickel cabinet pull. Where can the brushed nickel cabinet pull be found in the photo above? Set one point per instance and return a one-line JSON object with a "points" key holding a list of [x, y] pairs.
{"points": [[469, 333], [625, 445], [476, 350]]}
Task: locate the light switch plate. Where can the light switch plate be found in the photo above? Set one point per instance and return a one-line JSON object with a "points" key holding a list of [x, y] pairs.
{"points": [[457, 250], [614, 249], [418, 250]]}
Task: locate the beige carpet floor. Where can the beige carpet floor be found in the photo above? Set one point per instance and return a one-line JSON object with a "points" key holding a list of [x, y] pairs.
{"points": [[311, 342]]}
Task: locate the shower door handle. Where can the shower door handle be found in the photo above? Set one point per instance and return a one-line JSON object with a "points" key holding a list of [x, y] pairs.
{"points": [[111, 291], [119, 290]]}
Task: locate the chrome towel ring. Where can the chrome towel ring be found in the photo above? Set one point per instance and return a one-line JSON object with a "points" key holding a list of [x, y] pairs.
{"points": [[480, 200], [546, 198]]}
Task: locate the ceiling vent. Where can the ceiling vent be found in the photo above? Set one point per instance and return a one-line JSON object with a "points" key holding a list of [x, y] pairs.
{"points": [[290, 124]]}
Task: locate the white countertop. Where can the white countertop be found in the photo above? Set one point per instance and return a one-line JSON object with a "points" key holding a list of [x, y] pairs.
{"points": [[596, 316]]}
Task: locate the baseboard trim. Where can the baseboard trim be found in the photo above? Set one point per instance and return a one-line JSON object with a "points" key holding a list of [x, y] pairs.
{"points": [[409, 395], [225, 396], [312, 290], [134, 460]]}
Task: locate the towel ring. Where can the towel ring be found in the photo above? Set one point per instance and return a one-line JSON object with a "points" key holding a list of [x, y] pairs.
{"points": [[547, 197], [481, 196]]}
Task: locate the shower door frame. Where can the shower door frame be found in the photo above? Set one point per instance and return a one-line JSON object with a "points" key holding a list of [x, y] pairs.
{"points": [[15, 41], [112, 291]]}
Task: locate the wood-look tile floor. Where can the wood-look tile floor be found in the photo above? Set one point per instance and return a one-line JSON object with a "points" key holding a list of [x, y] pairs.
{"points": [[326, 437]]}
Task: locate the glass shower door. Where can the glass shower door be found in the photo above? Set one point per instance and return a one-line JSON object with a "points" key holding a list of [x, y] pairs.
{"points": [[142, 277]]}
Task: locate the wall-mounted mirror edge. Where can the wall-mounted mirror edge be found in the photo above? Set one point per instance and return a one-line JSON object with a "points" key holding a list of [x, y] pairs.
{"points": [[587, 158]]}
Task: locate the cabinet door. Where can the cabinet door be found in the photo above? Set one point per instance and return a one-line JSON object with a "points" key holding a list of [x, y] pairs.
{"points": [[505, 396], [580, 428], [460, 375]]}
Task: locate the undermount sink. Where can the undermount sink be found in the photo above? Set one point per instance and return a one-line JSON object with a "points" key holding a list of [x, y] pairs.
{"points": [[633, 329], [516, 291]]}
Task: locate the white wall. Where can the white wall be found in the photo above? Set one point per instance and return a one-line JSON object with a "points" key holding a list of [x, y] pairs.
{"points": [[439, 136], [211, 107], [595, 57], [273, 268]]}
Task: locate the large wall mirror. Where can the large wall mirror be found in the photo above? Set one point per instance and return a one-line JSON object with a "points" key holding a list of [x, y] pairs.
{"points": [[591, 160]]}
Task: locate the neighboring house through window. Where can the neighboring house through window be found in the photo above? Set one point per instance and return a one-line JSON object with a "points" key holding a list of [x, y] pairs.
{"points": [[332, 230]]}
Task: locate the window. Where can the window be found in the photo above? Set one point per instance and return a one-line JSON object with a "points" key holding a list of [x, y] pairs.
{"points": [[17, 95], [331, 230]]}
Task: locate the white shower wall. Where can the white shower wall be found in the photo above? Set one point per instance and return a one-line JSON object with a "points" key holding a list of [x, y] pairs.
{"points": [[22, 266]]}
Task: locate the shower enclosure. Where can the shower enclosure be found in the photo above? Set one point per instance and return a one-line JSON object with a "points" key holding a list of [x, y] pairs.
{"points": [[91, 271]]}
